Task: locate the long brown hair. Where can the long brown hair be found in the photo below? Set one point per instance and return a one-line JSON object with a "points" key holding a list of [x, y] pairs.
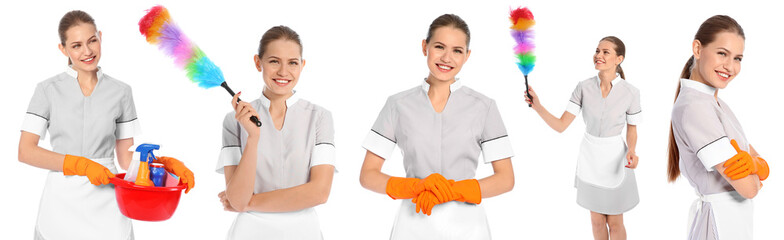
{"points": [[706, 34], [71, 19], [620, 50]]}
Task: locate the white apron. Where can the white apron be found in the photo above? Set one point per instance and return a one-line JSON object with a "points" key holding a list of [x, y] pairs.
{"points": [[298, 225], [450, 220], [601, 161], [73, 208], [732, 214]]}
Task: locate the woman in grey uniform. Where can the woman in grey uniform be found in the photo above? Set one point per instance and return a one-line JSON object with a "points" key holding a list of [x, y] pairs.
{"points": [[604, 178], [441, 127], [276, 173], [89, 116], [707, 143]]}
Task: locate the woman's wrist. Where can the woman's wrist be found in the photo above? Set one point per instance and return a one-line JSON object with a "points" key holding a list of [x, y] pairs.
{"points": [[254, 138]]}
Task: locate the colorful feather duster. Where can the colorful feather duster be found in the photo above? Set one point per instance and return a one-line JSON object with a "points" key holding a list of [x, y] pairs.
{"points": [[522, 21], [159, 29]]}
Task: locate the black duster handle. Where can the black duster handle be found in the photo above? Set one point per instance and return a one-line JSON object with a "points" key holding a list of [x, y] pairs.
{"points": [[526, 90], [254, 119]]}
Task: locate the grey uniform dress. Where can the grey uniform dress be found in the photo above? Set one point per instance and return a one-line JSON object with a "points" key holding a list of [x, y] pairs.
{"points": [[284, 161], [88, 126], [703, 127], [448, 143], [603, 184]]}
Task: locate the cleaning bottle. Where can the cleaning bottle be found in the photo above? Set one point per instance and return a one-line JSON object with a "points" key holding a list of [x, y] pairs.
{"points": [[145, 158]]}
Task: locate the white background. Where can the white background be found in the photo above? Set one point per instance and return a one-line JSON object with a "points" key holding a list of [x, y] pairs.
{"points": [[358, 53]]}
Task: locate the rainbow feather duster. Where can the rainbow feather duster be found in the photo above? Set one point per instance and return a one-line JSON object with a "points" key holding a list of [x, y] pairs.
{"points": [[159, 29], [522, 21]]}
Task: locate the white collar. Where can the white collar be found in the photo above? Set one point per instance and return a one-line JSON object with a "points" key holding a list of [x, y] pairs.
{"points": [[452, 87], [613, 82], [289, 102], [71, 72], [701, 87]]}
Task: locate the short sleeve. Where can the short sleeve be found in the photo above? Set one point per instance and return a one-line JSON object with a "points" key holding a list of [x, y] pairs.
{"points": [[494, 140], [231, 152], [127, 124], [634, 113], [704, 134], [381, 138], [36, 120], [324, 151], [576, 102]]}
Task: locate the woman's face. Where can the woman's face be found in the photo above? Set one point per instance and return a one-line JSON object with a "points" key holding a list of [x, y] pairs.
{"points": [[82, 47], [280, 66], [718, 63], [446, 53], [605, 58]]}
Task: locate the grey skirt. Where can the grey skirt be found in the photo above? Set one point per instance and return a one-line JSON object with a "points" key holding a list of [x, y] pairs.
{"points": [[608, 201]]}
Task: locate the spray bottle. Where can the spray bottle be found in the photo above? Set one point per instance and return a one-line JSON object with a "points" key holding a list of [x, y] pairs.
{"points": [[145, 159]]}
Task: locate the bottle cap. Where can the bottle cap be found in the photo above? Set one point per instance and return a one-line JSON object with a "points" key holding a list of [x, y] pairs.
{"points": [[158, 165]]}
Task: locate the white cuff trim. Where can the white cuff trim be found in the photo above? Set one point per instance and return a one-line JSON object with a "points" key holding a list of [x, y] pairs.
{"points": [[323, 153], [379, 145], [128, 129], [716, 152], [34, 124], [634, 119], [573, 108], [229, 156], [497, 149]]}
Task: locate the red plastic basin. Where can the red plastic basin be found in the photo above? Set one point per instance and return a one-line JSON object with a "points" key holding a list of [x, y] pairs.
{"points": [[146, 203]]}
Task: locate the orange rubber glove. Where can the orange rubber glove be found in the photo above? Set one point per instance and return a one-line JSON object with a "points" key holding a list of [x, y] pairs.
{"points": [[143, 175], [468, 191], [404, 188], [743, 164], [762, 165], [173, 165], [425, 202], [76, 165], [464, 191]]}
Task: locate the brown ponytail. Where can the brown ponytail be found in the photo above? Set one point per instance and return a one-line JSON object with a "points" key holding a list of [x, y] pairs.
{"points": [[705, 34], [620, 50]]}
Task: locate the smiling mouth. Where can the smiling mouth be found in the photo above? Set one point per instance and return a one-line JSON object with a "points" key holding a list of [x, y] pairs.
{"points": [[598, 62], [281, 82], [88, 60], [444, 68], [723, 76]]}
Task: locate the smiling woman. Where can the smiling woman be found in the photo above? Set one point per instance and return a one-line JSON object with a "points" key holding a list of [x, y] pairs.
{"points": [[275, 184], [442, 127], [707, 141], [605, 180], [86, 128]]}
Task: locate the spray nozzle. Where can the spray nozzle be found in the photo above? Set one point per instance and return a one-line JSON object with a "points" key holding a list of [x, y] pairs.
{"points": [[145, 152]]}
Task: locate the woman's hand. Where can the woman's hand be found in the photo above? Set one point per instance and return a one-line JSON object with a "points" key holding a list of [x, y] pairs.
{"points": [[631, 159], [225, 201], [535, 102], [242, 112]]}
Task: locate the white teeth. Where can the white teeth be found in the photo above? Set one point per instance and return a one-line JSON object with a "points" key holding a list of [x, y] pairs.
{"points": [[282, 81], [724, 75], [89, 59], [444, 67]]}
